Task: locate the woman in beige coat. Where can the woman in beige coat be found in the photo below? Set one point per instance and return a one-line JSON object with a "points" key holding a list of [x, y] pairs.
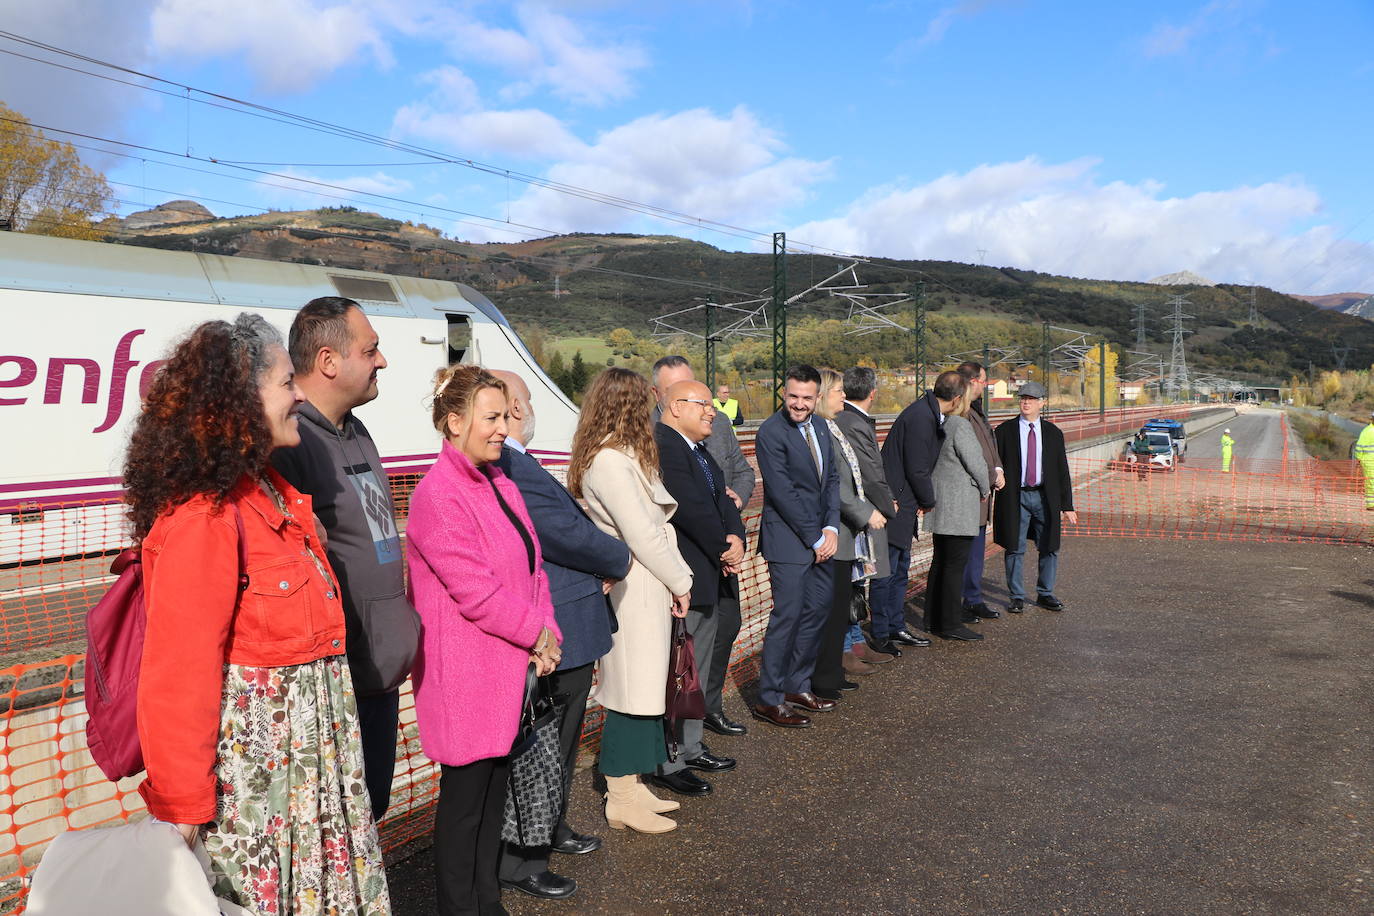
{"points": [[614, 467]]}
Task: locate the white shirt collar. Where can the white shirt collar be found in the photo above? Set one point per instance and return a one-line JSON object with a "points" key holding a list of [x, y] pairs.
{"points": [[516, 444], [857, 407]]}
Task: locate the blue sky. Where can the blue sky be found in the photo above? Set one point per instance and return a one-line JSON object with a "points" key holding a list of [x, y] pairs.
{"points": [[1118, 141]]}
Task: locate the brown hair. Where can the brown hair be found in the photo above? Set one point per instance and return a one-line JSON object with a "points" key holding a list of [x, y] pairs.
{"points": [[454, 391], [201, 427], [616, 413], [829, 379]]}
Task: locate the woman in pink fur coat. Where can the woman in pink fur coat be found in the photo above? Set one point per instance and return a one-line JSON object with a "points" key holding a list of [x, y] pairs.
{"points": [[477, 580]]}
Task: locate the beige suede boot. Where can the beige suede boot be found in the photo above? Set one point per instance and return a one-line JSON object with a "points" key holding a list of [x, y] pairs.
{"points": [[651, 801], [625, 808]]}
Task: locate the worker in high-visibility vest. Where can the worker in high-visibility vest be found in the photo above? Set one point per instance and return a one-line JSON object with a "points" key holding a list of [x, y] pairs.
{"points": [[1227, 443], [728, 406], [1364, 454]]}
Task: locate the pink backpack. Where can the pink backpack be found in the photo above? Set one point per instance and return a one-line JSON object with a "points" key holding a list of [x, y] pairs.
{"points": [[115, 630]]}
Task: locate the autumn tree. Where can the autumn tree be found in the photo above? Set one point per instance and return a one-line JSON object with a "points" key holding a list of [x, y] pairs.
{"points": [[44, 187]]}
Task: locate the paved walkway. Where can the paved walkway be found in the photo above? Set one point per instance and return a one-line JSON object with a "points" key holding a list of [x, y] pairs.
{"points": [[1193, 735]]}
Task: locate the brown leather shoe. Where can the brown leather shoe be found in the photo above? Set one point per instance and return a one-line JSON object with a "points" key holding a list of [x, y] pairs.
{"points": [[810, 702], [853, 665], [866, 653], [780, 715]]}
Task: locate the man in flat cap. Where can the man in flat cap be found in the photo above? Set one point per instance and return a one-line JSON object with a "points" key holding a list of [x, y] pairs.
{"points": [[1038, 491]]}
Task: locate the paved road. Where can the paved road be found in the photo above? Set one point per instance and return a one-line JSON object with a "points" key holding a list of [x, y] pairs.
{"points": [[1192, 736], [1258, 435]]}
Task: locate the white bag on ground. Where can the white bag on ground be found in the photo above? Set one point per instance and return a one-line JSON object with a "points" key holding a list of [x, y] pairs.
{"points": [[138, 869]]}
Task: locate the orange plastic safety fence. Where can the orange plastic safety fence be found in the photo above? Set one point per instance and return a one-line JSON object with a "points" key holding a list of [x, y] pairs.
{"points": [[54, 564]]}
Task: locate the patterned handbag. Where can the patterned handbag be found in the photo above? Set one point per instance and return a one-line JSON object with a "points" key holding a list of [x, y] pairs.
{"points": [[534, 793]]}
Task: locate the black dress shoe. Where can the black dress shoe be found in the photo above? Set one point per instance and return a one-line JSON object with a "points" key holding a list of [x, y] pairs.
{"points": [[825, 693], [545, 884], [907, 638], [1017, 606], [982, 610], [683, 782], [849, 685], [717, 723], [887, 647], [710, 763], [963, 633], [968, 616], [577, 844], [1050, 602]]}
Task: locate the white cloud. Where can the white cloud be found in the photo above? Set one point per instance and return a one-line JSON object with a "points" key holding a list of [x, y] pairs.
{"points": [[112, 30], [730, 169], [290, 45], [1058, 218], [1168, 39], [548, 50], [303, 189], [454, 116]]}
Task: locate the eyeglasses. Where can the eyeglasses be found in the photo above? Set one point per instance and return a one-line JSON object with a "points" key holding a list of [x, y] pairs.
{"points": [[698, 401]]}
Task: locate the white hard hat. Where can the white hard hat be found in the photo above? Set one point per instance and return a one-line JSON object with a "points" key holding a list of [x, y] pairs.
{"points": [[1227, 430]]}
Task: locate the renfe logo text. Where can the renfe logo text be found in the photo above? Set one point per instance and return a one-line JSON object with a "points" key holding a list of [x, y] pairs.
{"points": [[19, 372]]}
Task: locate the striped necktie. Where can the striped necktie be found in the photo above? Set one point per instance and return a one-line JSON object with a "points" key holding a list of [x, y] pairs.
{"points": [[700, 451], [810, 435]]}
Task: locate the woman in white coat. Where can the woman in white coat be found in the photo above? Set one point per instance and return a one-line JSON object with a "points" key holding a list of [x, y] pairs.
{"points": [[614, 467]]}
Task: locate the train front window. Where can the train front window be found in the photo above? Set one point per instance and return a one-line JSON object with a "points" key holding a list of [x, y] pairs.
{"points": [[459, 339]]}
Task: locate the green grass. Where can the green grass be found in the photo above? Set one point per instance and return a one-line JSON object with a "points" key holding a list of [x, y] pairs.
{"points": [[594, 349]]}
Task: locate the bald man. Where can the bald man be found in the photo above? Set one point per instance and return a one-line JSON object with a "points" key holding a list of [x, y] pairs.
{"points": [[580, 561], [710, 537], [739, 485]]}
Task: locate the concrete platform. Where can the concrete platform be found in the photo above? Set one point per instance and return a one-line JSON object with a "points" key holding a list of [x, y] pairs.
{"points": [[1195, 734]]}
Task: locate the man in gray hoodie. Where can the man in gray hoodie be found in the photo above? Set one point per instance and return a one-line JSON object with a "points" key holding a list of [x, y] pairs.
{"points": [[336, 357]]}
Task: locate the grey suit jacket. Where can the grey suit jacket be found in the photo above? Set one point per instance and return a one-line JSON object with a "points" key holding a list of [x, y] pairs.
{"points": [[960, 480], [861, 433]]}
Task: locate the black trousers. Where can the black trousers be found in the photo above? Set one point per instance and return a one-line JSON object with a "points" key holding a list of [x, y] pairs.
{"points": [[829, 673], [378, 717], [727, 629], [467, 835], [945, 585], [570, 689]]}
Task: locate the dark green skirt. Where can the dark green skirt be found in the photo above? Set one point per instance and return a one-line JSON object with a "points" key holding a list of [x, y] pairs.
{"points": [[631, 744]]}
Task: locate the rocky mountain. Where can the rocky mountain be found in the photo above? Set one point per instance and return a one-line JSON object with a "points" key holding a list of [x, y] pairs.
{"points": [[580, 285], [1364, 308], [172, 213], [1334, 300], [1183, 278]]}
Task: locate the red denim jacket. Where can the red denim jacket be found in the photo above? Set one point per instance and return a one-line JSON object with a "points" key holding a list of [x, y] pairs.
{"points": [[199, 620]]}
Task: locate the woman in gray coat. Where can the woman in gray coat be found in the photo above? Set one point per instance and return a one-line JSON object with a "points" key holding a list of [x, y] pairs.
{"points": [[961, 482], [859, 521]]}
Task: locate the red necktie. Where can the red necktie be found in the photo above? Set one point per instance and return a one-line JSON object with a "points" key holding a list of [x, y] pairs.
{"points": [[1032, 479]]}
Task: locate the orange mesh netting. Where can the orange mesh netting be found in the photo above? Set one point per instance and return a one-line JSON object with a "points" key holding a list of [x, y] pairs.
{"points": [[55, 559]]}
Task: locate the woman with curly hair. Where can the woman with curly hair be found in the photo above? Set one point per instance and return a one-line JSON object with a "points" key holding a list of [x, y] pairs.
{"points": [[246, 711], [614, 467], [477, 579]]}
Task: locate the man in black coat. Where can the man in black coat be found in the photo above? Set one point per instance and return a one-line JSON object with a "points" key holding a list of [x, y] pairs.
{"points": [[1038, 492], [581, 561], [909, 454], [710, 537]]}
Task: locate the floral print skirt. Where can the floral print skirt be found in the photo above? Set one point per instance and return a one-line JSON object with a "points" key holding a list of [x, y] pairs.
{"points": [[293, 832]]}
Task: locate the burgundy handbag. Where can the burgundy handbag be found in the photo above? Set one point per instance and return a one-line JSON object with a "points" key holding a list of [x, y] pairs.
{"points": [[685, 699]]}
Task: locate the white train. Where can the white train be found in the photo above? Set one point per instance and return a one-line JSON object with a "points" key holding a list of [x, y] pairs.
{"points": [[83, 326]]}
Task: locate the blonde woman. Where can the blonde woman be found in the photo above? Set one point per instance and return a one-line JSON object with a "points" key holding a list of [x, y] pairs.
{"points": [[614, 467]]}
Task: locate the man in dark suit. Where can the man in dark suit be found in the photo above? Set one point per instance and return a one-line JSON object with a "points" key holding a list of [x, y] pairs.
{"points": [[1038, 492], [798, 536], [975, 608], [909, 455], [710, 537], [861, 431], [739, 486], [581, 561]]}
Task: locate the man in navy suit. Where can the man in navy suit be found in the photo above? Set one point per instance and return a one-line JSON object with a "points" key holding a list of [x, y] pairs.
{"points": [[710, 537], [581, 561], [798, 536]]}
